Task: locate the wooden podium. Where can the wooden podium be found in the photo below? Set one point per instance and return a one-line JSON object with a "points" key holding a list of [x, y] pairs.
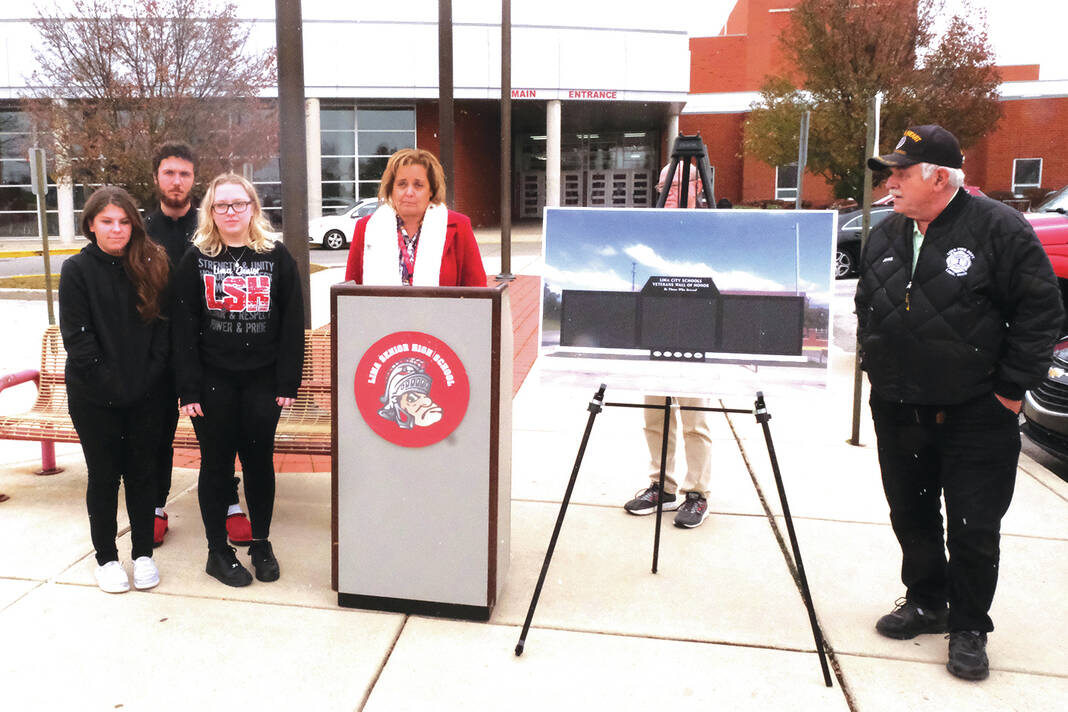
{"points": [[422, 435]]}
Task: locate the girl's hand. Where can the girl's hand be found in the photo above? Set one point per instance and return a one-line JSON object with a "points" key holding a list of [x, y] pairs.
{"points": [[284, 402], [191, 409]]}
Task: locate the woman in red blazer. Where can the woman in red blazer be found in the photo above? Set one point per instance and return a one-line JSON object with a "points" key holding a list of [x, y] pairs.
{"points": [[413, 239]]}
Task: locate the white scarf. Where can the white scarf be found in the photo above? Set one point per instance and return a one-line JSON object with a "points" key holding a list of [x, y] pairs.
{"points": [[381, 256]]}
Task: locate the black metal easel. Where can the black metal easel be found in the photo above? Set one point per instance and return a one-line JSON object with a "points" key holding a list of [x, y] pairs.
{"points": [[760, 411], [686, 148]]}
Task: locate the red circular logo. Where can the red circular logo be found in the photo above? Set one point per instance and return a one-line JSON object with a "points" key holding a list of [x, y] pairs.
{"points": [[411, 388]]}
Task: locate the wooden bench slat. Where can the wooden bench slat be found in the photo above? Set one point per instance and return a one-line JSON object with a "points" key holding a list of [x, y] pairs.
{"points": [[303, 428]]}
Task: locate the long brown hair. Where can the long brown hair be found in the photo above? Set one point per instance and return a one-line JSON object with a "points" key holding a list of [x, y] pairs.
{"points": [[144, 262]]}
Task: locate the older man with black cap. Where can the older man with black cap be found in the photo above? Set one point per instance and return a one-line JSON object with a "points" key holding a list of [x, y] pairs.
{"points": [[957, 312]]}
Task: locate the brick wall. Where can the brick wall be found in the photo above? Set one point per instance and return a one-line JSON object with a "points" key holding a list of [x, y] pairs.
{"points": [[1029, 128], [477, 173], [722, 134]]}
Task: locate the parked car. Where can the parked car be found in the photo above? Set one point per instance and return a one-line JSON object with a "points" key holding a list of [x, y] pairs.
{"points": [[847, 252], [1050, 221], [333, 231], [1045, 409]]}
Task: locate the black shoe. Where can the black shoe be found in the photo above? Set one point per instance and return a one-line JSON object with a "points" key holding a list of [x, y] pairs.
{"points": [[967, 655], [693, 511], [223, 565], [909, 620], [644, 501], [263, 560]]}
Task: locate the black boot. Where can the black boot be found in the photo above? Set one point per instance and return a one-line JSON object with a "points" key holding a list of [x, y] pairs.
{"points": [[223, 565], [263, 560], [909, 620], [967, 655]]}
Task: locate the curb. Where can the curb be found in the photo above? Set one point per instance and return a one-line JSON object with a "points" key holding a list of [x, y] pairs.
{"points": [[39, 252]]}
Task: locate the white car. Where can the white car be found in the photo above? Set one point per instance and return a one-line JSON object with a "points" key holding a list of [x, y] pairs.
{"points": [[334, 231]]}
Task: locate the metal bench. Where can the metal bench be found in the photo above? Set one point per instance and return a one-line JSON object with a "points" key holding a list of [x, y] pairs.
{"points": [[303, 427]]}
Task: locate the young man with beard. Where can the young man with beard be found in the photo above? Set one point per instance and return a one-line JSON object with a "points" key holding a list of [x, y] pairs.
{"points": [[172, 226]]}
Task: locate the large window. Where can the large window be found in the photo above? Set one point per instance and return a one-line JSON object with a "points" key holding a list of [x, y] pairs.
{"points": [[18, 204], [1026, 173], [356, 143], [786, 182]]}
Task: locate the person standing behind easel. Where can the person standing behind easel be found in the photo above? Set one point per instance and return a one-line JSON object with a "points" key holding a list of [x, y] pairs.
{"points": [[696, 435]]}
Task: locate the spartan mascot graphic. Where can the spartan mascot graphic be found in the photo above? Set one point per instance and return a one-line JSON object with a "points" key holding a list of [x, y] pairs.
{"points": [[406, 400], [411, 389]]}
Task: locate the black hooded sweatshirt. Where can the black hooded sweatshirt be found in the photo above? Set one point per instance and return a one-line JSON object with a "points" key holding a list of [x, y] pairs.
{"points": [[114, 358], [238, 311]]}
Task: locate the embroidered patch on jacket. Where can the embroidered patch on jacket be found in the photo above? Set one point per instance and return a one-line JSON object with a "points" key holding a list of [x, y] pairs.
{"points": [[958, 260]]}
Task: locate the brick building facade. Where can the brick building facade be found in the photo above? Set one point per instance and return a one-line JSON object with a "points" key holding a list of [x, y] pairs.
{"points": [[726, 72]]}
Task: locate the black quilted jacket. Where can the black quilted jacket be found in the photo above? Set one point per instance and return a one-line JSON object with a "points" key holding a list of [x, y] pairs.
{"points": [[980, 314]]}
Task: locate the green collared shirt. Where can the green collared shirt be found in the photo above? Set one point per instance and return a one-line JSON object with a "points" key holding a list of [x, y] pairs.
{"points": [[917, 243]]}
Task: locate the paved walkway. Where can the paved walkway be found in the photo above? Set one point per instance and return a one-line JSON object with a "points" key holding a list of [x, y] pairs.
{"points": [[720, 626]]}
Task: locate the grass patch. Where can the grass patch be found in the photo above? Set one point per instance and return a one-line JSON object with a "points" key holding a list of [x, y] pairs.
{"points": [[27, 281]]}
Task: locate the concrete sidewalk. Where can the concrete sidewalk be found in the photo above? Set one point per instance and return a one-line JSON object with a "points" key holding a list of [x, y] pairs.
{"points": [[721, 625]]}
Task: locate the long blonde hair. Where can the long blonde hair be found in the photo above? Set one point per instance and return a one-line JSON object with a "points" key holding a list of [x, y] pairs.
{"points": [[207, 237]]}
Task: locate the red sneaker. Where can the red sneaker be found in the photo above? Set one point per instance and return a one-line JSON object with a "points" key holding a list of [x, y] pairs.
{"points": [[160, 529], [238, 529]]}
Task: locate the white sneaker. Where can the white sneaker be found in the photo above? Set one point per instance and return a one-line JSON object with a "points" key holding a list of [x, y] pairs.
{"points": [[112, 578], [146, 575]]}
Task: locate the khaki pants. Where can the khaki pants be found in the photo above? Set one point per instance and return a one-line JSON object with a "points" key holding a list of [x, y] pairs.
{"points": [[696, 440]]}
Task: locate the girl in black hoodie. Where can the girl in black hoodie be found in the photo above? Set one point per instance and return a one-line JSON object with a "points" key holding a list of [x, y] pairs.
{"points": [[111, 317], [239, 349]]}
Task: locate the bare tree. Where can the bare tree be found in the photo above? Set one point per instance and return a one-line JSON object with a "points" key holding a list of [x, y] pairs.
{"points": [[117, 77], [842, 52]]}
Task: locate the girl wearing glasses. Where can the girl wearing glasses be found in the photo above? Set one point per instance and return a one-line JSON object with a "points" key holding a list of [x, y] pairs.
{"points": [[412, 238], [111, 314], [239, 349]]}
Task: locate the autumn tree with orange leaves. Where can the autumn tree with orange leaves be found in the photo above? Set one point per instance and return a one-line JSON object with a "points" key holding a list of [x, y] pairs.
{"points": [[931, 68], [134, 74]]}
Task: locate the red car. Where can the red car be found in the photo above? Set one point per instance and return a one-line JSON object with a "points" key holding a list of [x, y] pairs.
{"points": [[1050, 221], [1045, 409]]}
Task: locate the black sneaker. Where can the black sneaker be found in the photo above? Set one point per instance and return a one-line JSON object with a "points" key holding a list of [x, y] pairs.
{"points": [[693, 511], [909, 620], [263, 560], [644, 501], [223, 565], [967, 655]]}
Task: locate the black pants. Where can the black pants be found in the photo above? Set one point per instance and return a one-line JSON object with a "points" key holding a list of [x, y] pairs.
{"points": [[120, 444], [240, 417], [967, 453], [165, 460]]}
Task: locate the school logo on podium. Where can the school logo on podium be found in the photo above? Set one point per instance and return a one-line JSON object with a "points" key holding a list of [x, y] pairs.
{"points": [[411, 389]]}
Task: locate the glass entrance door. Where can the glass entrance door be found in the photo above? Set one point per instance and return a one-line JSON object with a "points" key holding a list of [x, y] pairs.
{"points": [[598, 169]]}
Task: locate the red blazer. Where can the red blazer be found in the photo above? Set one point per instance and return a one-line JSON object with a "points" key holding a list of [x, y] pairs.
{"points": [[461, 262]]}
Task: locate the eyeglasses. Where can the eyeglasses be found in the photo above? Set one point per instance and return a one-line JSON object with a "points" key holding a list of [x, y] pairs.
{"points": [[239, 206]]}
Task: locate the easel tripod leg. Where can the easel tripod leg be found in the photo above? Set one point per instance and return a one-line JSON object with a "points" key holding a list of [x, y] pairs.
{"points": [[763, 417], [663, 470], [594, 408]]}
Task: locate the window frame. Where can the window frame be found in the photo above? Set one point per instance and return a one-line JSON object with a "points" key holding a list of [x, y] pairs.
{"points": [[1018, 187], [781, 193]]}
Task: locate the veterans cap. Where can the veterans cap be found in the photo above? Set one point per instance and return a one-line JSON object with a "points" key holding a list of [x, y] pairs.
{"points": [[921, 144]]}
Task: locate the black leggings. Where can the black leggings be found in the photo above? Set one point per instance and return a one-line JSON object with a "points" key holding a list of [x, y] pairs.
{"points": [[120, 444], [240, 417], [165, 461]]}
